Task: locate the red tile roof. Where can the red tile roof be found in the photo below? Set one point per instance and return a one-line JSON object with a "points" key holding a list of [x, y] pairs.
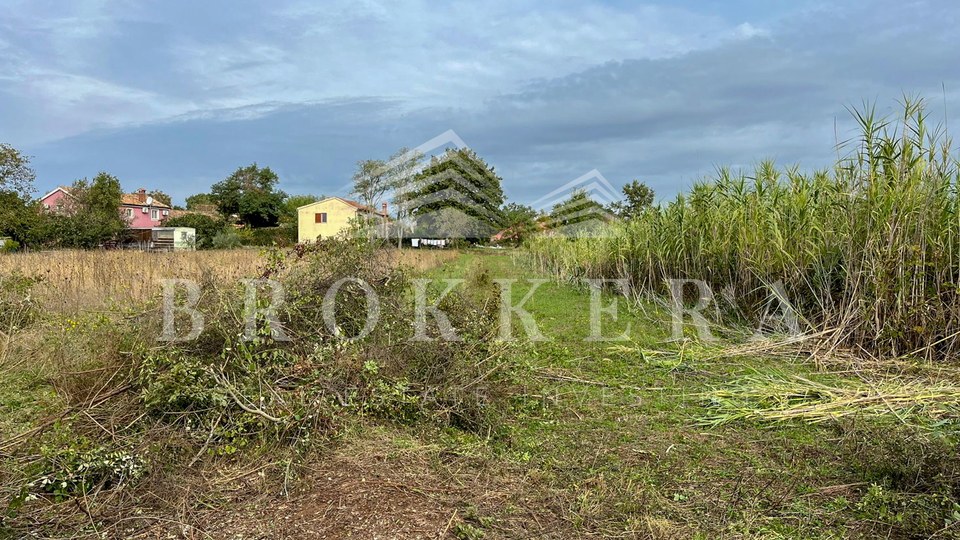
{"points": [[359, 206], [133, 199]]}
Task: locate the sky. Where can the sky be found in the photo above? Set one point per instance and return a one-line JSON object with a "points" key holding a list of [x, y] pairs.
{"points": [[176, 95]]}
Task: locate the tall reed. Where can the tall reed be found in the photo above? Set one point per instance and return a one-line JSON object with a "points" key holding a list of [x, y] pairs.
{"points": [[868, 247]]}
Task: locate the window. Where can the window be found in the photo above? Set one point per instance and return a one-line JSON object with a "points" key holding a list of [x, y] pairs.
{"points": [[320, 217], [154, 215], [129, 212]]}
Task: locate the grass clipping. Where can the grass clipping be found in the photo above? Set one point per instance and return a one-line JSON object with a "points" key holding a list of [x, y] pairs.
{"points": [[779, 398]]}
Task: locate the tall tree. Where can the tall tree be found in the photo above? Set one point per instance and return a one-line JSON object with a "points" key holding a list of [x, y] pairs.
{"points": [[19, 216], [250, 193], [371, 181], [461, 180], [16, 175], [403, 168], [520, 222]]}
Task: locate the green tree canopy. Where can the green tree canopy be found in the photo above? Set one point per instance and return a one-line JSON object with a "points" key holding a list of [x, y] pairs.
{"points": [[461, 180], [250, 193], [371, 181], [20, 218], [161, 197], [520, 222], [578, 208], [93, 215], [296, 201], [16, 175], [194, 202], [637, 198]]}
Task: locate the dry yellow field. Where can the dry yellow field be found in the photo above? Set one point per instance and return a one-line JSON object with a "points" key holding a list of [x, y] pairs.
{"points": [[75, 280]]}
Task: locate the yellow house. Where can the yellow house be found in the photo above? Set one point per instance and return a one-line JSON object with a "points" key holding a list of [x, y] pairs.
{"points": [[326, 218]]}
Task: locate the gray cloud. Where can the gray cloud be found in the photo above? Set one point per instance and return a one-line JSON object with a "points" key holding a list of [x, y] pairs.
{"points": [[662, 94]]}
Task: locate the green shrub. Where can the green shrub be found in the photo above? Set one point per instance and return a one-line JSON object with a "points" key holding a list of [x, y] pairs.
{"points": [[282, 236], [232, 392], [227, 240], [74, 466], [10, 246]]}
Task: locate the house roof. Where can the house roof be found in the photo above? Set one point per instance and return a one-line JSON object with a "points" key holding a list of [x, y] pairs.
{"points": [[133, 199], [64, 189], [127, 199], [354, 204]]}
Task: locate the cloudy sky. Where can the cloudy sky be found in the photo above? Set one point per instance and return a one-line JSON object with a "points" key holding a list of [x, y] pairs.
{"points": [[175, 95]]}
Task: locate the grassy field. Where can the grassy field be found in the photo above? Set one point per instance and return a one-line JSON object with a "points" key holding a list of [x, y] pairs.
{"points": [[565, 438]]}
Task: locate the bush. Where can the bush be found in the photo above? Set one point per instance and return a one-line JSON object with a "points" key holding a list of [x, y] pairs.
{"points": [[10, 246], [232, 392], [282, 236], [227, 240]]}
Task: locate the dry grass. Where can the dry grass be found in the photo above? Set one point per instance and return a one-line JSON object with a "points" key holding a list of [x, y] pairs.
{"points": [[76, 280], [427, 259], [777, 398]]}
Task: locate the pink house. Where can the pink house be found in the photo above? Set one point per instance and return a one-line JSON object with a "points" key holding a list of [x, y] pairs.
{"points": [[139, 209], [58, 200], [142, 211]]}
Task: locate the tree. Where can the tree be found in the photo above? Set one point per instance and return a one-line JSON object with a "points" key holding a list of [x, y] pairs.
{"points": [[196, 202], [16, 175], [160, 196], [458, 179], [294, 202], [578, 208], [520, 221], [637, 198], [207, 227], [250, 193], [20, 217], [94, 217], [370, 181], [403, 168]]}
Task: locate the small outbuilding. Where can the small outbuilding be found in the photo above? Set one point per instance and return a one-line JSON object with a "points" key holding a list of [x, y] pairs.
{"points": [[162, 239]]}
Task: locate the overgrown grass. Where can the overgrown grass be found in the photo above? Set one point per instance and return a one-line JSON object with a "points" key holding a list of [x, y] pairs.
{"points": [[868, 250]]}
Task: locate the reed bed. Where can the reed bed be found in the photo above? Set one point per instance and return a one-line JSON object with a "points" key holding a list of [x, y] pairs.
{"points": [[869, 248]]}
